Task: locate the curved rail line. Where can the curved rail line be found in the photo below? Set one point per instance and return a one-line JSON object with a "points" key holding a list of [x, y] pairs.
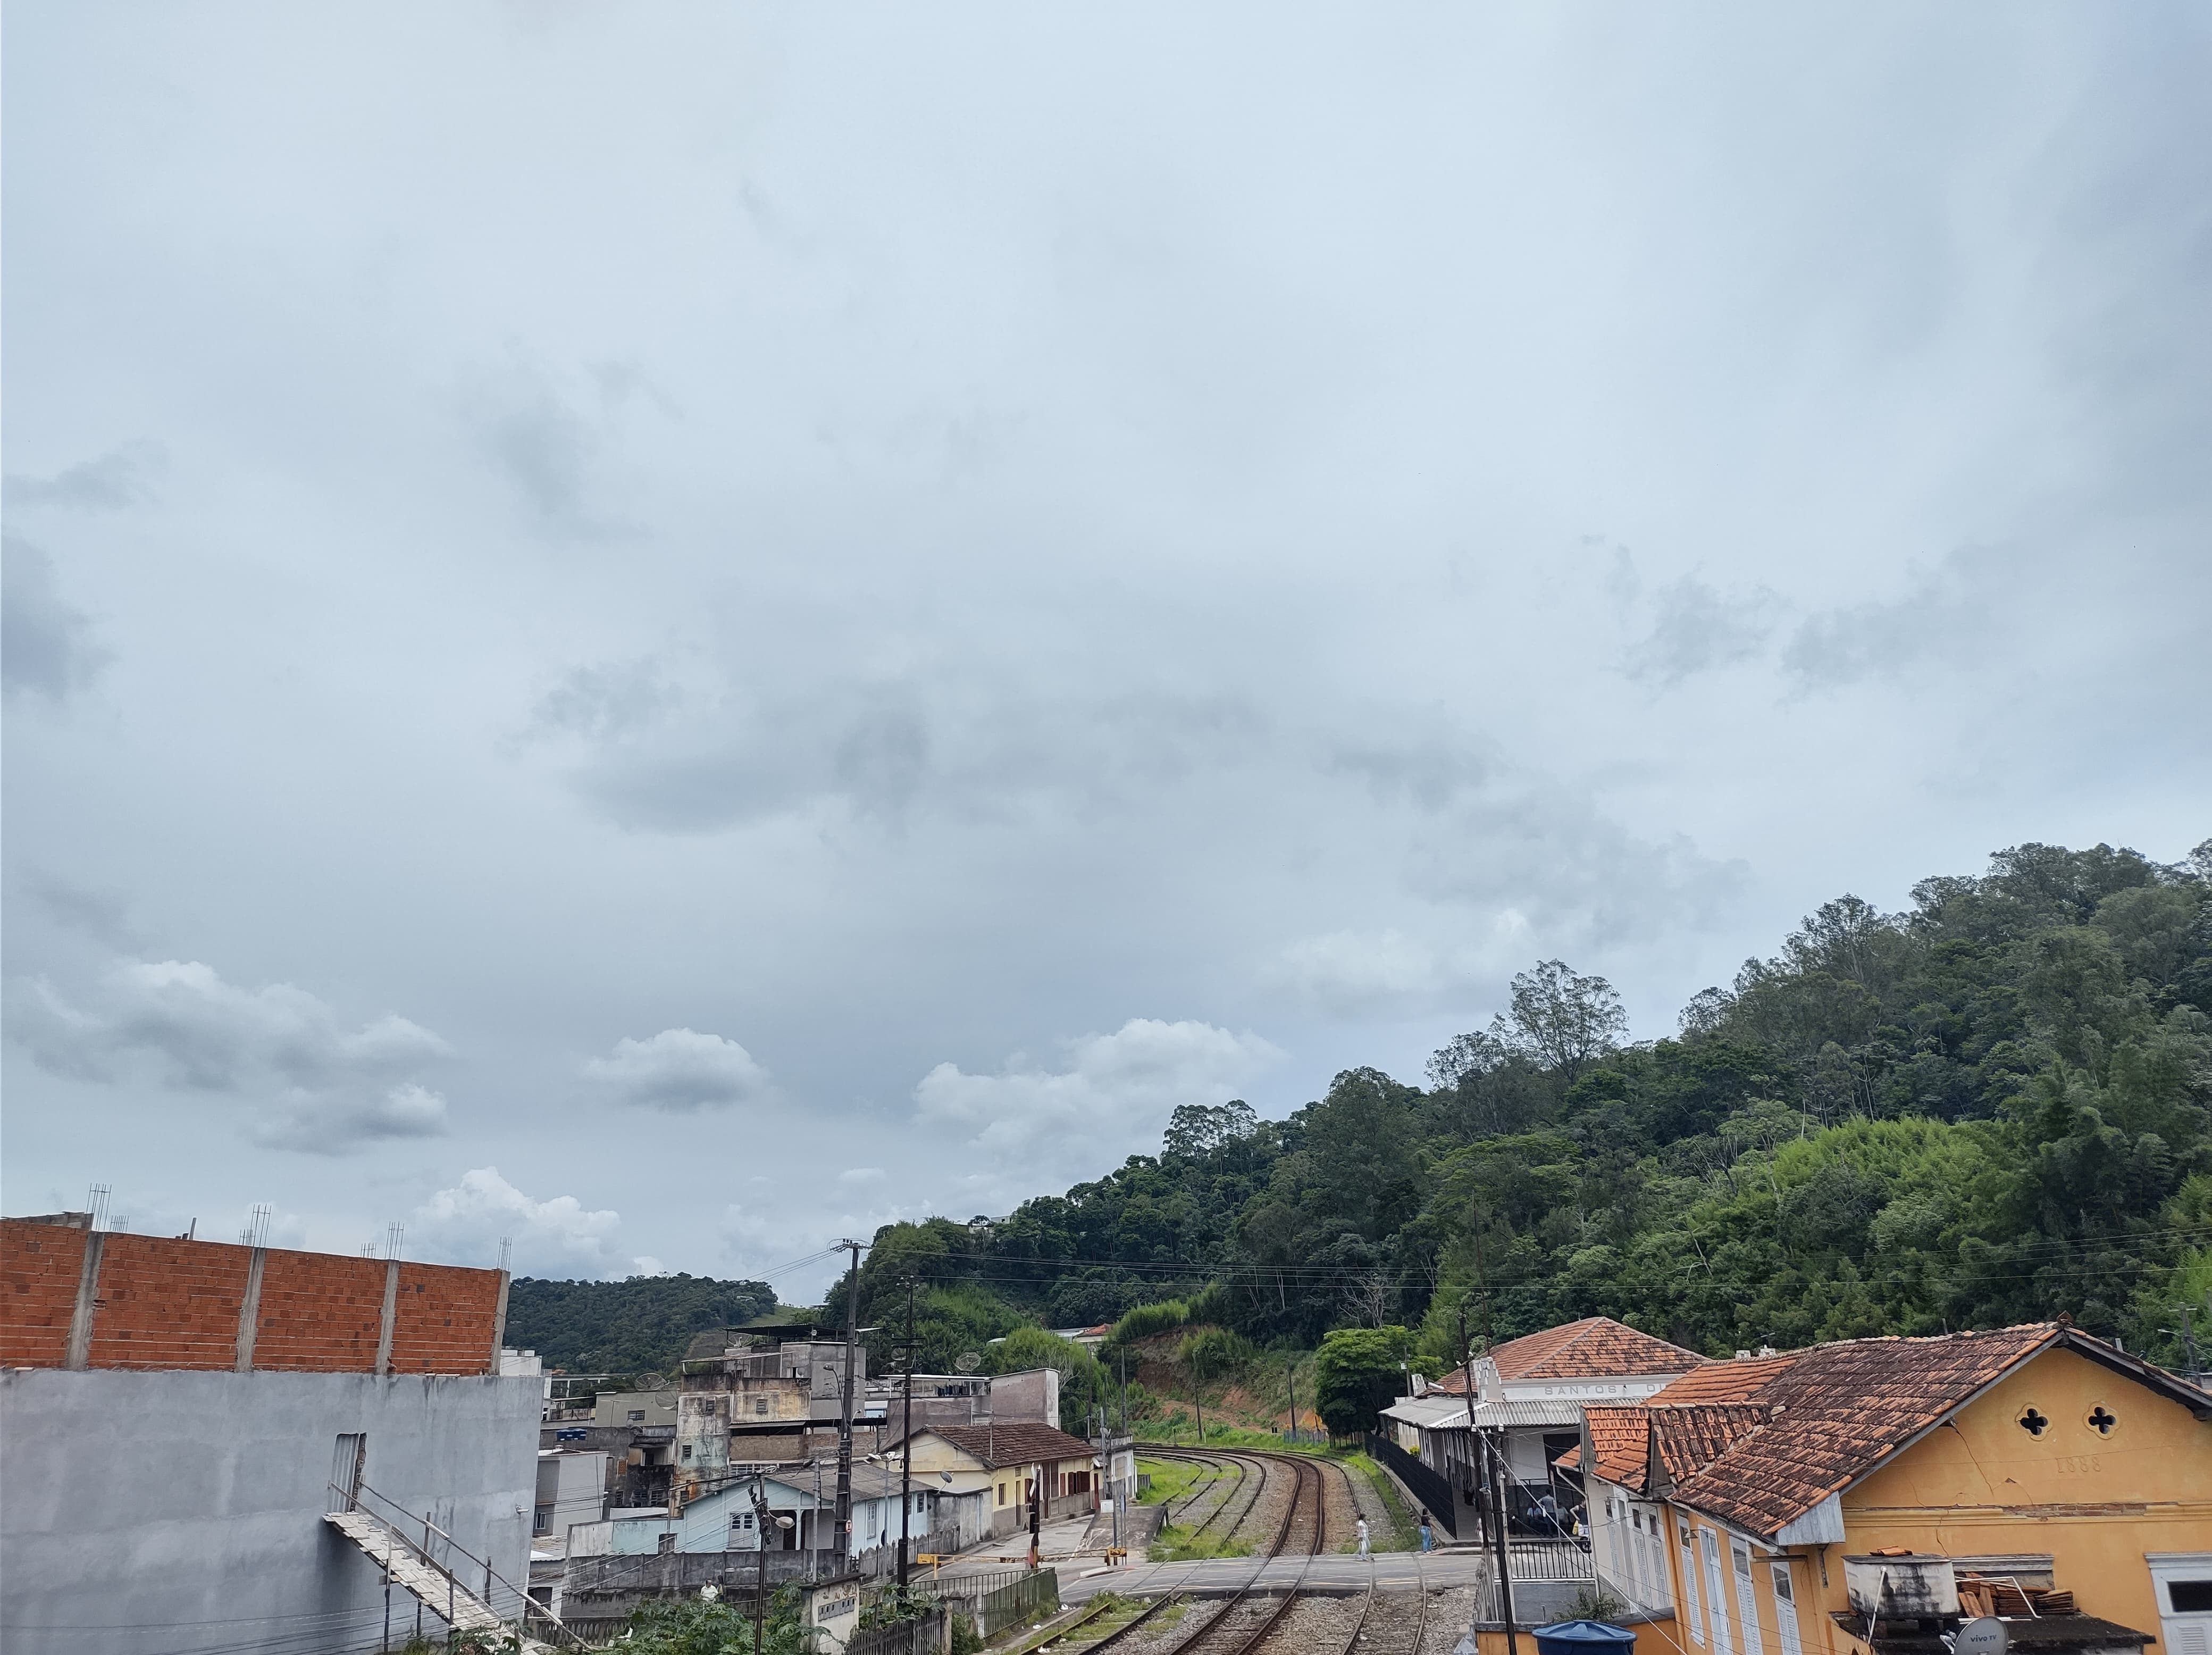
{"points": [[1246, 1466], [1238, 1640]]}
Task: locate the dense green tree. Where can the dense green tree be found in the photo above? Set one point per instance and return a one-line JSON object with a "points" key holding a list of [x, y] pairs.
{"points": [[642, 1324], [1357, 1371]]}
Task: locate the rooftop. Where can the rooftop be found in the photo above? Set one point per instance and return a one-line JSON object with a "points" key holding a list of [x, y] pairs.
{"points": [[1812, 1422], [1596, 1347], [1621, 1438], [996, 1446]]}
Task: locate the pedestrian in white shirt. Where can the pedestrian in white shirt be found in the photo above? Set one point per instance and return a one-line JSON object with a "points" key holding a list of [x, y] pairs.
{"points": [[1363, 1536]]}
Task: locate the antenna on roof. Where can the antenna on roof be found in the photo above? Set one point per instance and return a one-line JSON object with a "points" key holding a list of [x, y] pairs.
{"points": [[95, 1201], [395, 1237]]}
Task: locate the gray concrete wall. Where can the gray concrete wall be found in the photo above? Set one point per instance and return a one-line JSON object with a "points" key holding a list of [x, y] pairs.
{"points": [[169, 1511]]}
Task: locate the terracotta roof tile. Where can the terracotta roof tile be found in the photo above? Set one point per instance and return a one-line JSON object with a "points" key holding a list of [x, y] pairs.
{"points": [[1597, 1346], [1738, 1381], [1688, 1439], [1835, 1412], [1621, 1438], [1011, 1444]]}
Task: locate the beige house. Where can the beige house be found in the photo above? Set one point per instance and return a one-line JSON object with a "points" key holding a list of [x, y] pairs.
{"points": [[991, 1470]]}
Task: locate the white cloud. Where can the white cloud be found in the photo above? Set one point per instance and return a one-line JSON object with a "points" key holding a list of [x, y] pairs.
{"points": [[680, 1070], [182, 1023], [1114, 1095], [556, 1236]]}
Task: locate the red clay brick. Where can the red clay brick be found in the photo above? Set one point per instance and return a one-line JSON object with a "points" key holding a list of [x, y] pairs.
{"points": [[319, 1313], [176, 1304], [39, 1266], [168, 1304]]}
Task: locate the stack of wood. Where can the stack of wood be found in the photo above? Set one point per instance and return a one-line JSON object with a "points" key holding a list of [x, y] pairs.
{"points": [[1981, 1595]]}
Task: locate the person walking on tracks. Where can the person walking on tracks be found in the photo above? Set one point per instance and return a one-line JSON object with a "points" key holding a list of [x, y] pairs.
{"points": [[1428, 1535], [1362, 1532]]}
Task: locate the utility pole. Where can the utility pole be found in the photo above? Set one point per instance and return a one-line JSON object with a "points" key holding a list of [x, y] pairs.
{"points": [[844, 1536], [760, 1559], [1291, 1378], [1505, 1552], [1466, 1366], [906, 1441]]}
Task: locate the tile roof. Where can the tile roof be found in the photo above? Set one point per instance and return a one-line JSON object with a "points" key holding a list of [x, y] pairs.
{"points": [[1597, 1346], [1686, 1441], [1834, 1413], [1011, 1444], [1738, 1381], [1620, 1437]]}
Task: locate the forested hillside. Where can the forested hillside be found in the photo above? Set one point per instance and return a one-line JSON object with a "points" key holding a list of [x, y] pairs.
{"points": [[625, 1327], [1990, 1107]]}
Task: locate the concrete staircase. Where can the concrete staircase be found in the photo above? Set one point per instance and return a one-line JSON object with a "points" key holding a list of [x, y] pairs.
{"points": [[441, 1593]]}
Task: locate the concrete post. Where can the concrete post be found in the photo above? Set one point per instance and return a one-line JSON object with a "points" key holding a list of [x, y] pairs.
{"points": [[391, 1316], [499, 1324], [249, 1310], [79, 1355]]}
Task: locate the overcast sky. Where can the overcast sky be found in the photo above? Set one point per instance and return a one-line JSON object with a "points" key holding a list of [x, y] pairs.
{"points": [[672, 631]]}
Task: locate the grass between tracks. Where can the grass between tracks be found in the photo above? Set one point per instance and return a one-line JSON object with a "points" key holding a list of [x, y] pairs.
{"points": [[1403, 1534]]}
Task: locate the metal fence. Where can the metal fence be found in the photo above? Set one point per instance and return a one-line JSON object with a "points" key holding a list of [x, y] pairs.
{"points": [[1549, 1560], [1421, 1481], [931, 1635], [997, 1601]]}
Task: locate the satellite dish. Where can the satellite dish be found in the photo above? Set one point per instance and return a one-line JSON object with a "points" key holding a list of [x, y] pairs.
{"points": [[968, 1361], [1983, 1635]]}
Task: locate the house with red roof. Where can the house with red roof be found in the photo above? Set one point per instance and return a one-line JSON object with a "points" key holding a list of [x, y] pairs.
{"points": [[1873, 1496], [1528, 1396]]}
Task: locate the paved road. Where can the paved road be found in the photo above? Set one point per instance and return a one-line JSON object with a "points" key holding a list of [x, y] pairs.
{"points": [[1391, 1571]]}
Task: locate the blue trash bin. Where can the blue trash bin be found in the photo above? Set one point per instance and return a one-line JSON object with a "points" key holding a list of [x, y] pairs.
{"points": [[1583, 1638]]}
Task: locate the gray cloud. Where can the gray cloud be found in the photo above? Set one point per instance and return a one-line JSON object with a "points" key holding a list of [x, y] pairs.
{"points": [[46, 647], [121, 477], [680, 1070], [1945, 612], [556, 446], [180, 1023], [1696, 627], [342, 1124]]}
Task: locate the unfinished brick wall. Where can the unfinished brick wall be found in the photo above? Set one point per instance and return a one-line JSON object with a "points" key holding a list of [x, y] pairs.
{"points": [[163, 1303], [39, 1265], [320, 1313], [444, 1321], [168, 1304]]}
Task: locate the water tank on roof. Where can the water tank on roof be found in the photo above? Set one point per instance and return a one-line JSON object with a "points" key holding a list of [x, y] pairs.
{"points": [[1583, 1638]]}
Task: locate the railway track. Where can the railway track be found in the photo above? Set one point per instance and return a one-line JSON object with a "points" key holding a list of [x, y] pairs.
{"points": [[1387, 1623], [1304, 1528], [1386, 1633], [1250, 1469]]}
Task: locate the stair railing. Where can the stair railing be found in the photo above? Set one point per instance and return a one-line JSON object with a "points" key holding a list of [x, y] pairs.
{"points": [[531, 1608]]}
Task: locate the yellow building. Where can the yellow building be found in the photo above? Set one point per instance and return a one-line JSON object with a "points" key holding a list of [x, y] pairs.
{"points": [[1867, 1497]]}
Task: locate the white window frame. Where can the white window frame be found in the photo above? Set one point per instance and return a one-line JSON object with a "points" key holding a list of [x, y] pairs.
{"points": [[2188, 1632], [1689, 1549], [1747, 1595], [1785, 1607], [1717, 1597]]}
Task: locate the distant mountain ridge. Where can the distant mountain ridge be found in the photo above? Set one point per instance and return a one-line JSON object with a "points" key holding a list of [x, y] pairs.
{"points": [[643, 1324]]}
